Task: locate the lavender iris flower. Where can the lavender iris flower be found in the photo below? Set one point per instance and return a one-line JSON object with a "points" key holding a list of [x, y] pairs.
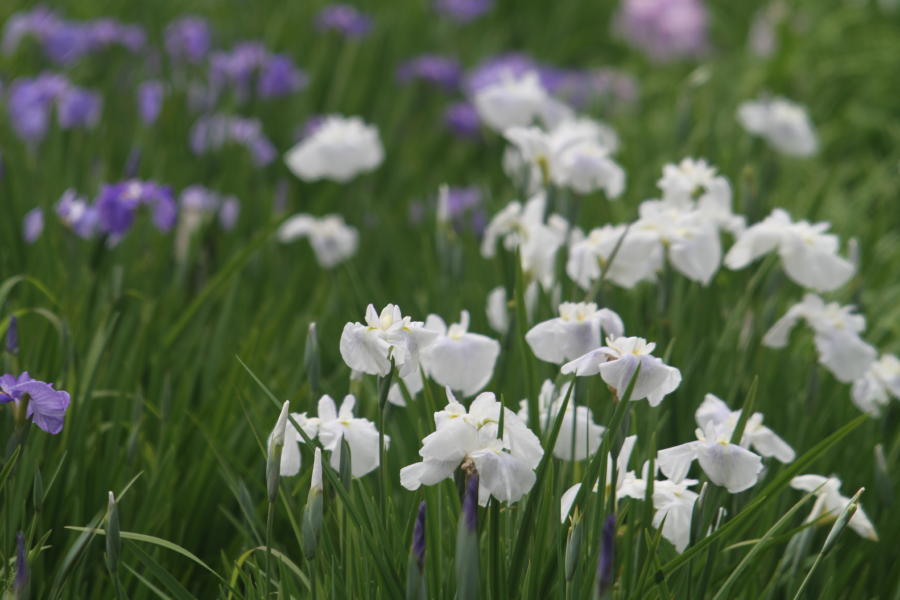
{"points": [[442, 71], [31, 101], [33, 225], [77, 107], [664, 29], [77, 214], [462, 119], [463, 11], [117, 204], [275, 74], [46, 406], [150, 100], [345, 19], [65, 42], [212, 132], [188, 39]]}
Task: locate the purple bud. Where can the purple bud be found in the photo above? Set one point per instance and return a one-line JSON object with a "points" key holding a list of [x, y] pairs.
{"points": [[279, 77], [463, 11], [418, 545], [150, 100], [607, 550], [33, 225], [344, 19], [470, 503], [12, 335], [228, 213], [188, 38], [441, 71], [463, 120], [21, 564]]}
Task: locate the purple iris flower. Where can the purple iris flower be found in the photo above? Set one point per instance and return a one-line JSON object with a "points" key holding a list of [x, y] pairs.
{"points": [[463, 11], [33, 225], [77, 214], [344, 19], [462, 119], [188, 39], [65, 42], [442, 71], [46, 406], [664, 29], [150, 100], [117, 204], [31, 101], [212, 132], [275, 74], [279, 77], [78, 107]]}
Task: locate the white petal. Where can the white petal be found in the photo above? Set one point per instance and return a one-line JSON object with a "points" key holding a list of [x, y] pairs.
{"points": [[767, 443], [465, 364], [712, 410], [565, 502], [675, 462], [729, 465], [503, 475], [427, 472], [844, 354]]}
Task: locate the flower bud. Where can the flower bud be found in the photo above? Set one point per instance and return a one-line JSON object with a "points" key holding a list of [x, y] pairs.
{"points": [[312, 512], [467, 555], [416, 586], [12, 336], [311, 359], [605, 575], [20, 584], [273, 460], [113, 539], [573, 544]]}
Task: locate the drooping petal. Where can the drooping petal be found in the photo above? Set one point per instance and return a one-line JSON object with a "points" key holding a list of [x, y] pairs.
{"points": [[506, 477], [767, 443], [729, 465], [427, 472]]}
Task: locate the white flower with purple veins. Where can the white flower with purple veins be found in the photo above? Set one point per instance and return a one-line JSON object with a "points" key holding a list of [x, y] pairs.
{"points": [[873, 391], [694, 184], [388, 336], [756, 435], [524, 228], [576, 153], [512, 100], [469, 439], [830, 503], [332, 240], [782, 123], [332, 426], [580, 328], [808, 254], [625, 256], [837, 336], [579, 437], [729, 465], [458, 359], [339, 149], [617, 363]]}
